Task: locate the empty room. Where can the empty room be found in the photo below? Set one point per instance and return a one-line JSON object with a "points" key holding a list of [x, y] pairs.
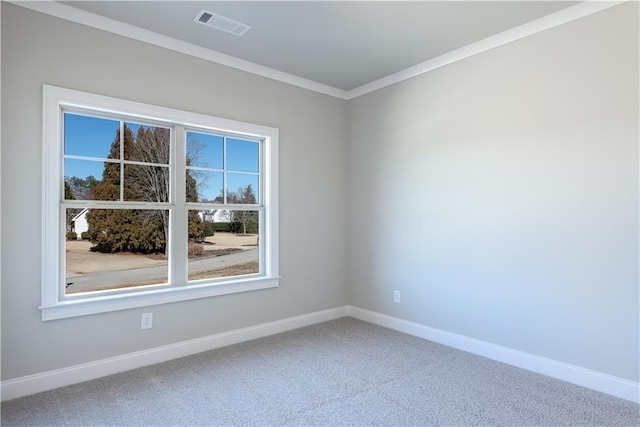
{"points": [[320, 213]]}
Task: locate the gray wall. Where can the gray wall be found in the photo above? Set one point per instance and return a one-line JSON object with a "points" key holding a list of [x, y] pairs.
{"points": [[500, 195], [39, 49]]}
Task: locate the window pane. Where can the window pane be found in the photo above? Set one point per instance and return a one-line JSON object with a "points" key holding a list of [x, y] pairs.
{"points": [[204, 150], [115, 248], [242, 188], [242, 155], [146, 183], [149, 144], [89, 180], [226, 246], [207, 186], [90, 136]]}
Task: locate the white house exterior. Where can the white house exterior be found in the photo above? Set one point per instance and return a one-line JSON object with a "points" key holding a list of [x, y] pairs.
{"points": [[220, 215], [79, 223]]}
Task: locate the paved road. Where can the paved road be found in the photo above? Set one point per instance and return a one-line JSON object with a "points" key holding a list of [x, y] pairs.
{"points": [[101, 279]]}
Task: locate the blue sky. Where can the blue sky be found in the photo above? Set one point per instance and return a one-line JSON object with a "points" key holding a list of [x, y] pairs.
{"points": [[92, 137], [89, 136], [242, 156]]}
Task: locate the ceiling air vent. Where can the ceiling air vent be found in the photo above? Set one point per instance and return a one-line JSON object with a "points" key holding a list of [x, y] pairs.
{"points": [[221, 23]]}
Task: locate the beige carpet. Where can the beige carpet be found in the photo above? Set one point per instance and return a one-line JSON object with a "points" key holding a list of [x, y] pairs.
{"points": [[343, 372]]}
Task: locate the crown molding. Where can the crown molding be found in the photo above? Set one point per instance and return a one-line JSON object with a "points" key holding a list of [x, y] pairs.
{"points": [[69, 13], [572, 13], [79, 16]]}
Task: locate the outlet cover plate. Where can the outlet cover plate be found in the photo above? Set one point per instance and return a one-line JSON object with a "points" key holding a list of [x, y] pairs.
{"points": [[396, 296], [146, 321]]}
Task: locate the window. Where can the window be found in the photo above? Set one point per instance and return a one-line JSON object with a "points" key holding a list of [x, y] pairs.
{"points": [[145, 205]]}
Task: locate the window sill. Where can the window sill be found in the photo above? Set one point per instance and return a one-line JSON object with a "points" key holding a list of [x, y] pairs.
{"points": [[106, 303]]}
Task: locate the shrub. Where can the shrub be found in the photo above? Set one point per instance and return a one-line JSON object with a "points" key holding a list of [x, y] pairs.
{"points": [[235, 227], [195, 249], [221, 226], [209, 229], [72, 235], [238, 227], [85, 235]]}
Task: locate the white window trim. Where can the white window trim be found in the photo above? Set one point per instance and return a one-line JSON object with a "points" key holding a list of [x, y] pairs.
{"points": [[53, 307]]}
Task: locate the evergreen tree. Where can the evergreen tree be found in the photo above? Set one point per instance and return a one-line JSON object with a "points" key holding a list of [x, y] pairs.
{"points": [[128, 230], [196, 225], [68, 194], [70, 213], [79, 188]]}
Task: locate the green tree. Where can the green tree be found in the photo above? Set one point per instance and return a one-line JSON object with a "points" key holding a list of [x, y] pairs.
{"points": [[196, 225], [80, 189], [149, 183], [124, 230], [68, 193], [70, 213], [140, 230]]}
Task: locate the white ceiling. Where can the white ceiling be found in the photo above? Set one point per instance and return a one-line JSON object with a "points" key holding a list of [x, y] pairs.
{"points": [[343, 45]]}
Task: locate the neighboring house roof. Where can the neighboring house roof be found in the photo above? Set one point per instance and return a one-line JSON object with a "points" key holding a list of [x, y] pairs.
{"points": [[82, 212]]}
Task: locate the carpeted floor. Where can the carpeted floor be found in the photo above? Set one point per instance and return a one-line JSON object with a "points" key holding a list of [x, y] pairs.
{"points": [[343, 372]]}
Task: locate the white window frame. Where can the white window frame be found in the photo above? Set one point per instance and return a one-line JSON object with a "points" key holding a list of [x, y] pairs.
{"points": [[54, 304]]}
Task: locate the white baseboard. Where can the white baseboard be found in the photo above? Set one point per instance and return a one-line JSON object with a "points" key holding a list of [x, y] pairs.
{"points": [[594, 380], [36, 383]]}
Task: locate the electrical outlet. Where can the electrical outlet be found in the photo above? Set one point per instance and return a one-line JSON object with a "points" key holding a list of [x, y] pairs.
{"points": [[396, 296], [146, 321]]}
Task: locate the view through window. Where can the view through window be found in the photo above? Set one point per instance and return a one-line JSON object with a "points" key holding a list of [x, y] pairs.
{"points": [[147, 205], [118, 204]]}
